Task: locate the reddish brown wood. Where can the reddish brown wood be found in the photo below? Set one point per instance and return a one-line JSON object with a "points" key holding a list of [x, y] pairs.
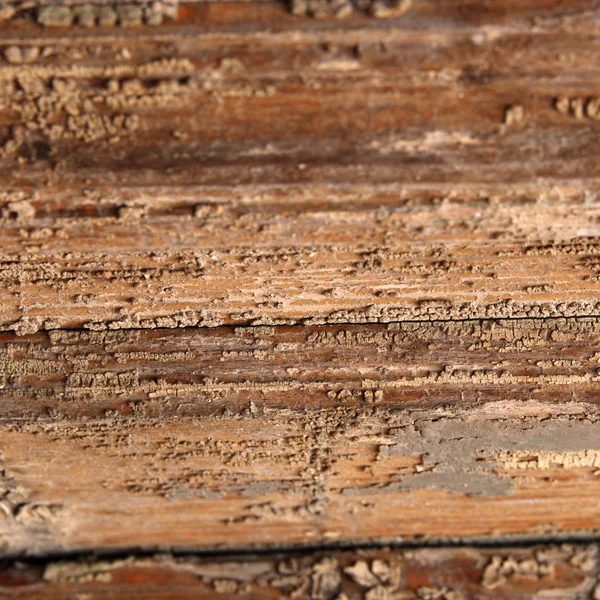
{"points": [[567, 571]]}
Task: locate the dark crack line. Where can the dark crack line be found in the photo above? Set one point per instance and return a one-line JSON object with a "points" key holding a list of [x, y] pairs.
{"points": [[504, 542]]}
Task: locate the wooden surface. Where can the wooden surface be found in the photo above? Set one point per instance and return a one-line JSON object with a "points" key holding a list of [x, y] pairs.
{"points": [[569, 572], [272, 282], [355, 170]]}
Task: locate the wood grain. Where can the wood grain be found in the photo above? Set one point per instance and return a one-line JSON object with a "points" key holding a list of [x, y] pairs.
{"points": [[197, 372], [337, 171], [270, 281], [567, 571], [273, 477]]}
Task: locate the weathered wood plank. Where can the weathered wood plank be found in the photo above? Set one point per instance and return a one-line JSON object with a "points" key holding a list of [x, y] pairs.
{"points": [[366, 198], [255, 436], [271, 477], [199, 372], [403, 118], [568, 572]]}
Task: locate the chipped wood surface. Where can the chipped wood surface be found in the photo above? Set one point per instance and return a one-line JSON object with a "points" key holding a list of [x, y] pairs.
{"points": [[361, 170], [283, 477], [569, 572], [271, 281]]}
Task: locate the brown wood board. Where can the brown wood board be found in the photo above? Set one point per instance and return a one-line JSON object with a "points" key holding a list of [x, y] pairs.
{"points": [[270, 281]]}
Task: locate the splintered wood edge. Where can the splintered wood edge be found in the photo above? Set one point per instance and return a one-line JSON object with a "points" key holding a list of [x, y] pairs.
{"points": [[568, 571]]}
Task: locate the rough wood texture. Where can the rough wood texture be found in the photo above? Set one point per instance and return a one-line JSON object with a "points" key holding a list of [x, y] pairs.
{"points": [[337, 171], [269, 280], [285, 477], [300, 433], [568, 572], [196, 372]]}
